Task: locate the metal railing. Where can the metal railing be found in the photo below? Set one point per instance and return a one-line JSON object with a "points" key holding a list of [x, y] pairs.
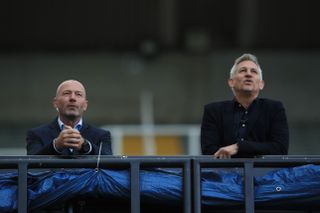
{"points": [[190, 165]]}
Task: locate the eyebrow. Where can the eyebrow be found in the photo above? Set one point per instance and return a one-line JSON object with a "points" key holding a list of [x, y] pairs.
{"points": [[245, 67], [75, 91]]}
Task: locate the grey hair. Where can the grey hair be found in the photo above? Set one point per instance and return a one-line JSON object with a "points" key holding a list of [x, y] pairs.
{"points": [[245, 57]]}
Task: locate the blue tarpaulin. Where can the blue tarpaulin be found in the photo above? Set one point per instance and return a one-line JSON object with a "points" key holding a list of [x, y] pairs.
{"points": [[160, 186]]}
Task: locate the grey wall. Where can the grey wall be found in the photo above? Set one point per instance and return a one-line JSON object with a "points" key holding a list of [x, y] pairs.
{"points": [[180, 83], [180, 50]]}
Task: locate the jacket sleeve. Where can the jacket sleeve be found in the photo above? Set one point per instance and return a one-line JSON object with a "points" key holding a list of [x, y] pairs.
{"points": [[210, 134], [104, 142], [35, 145]]}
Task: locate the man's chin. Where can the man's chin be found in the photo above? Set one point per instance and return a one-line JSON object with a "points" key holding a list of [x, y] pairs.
{"points": [[248, 88], [250, 92], [71, 116]]}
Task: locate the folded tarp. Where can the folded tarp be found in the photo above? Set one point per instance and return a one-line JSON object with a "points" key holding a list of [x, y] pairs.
{"points": [[290, 186], [8, 191], [160, 186]]}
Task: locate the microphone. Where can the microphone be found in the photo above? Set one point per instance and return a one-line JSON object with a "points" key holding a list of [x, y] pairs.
{"points": [[99, 155]]}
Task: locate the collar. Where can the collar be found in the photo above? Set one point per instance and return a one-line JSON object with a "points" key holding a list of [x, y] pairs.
{"points": [[238, 105], [78, 126]]}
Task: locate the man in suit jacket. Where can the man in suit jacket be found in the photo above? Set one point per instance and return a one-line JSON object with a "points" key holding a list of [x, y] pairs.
{"points": [[246, 126], [68, 134]]}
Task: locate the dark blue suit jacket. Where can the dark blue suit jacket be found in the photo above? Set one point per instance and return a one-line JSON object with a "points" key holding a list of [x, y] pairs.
{"points": [[268, 132], [39, 140]]}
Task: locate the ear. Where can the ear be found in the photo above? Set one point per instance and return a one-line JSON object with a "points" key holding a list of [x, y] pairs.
{"points": [[261, 84], [54, 103], [85, 106], [231, 82]]}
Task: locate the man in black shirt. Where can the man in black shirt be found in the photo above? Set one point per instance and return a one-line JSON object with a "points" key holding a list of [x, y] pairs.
{"points": [[246, 126]]}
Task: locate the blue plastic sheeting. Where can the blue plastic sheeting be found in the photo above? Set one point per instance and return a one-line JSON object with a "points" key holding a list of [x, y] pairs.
{"points": [[290, 183], [8, 192], [220, 186], [160, 186]]}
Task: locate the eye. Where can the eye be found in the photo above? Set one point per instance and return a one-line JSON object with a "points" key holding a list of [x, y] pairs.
{"points": [[66, 92], [254, 71], [242, 70], [79, 94]]}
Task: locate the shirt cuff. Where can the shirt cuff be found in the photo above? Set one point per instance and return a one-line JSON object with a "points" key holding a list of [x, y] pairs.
{"points": [[90, 147], [54, 146]]}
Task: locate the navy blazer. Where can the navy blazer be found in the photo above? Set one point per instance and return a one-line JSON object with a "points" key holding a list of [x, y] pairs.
{"points": [[40, 139], [267, 132]]}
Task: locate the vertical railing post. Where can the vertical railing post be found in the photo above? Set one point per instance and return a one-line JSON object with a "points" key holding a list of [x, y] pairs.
{"points": [[249, 187], [135, 186], [196, 182], [22, 187], [186, 186]]}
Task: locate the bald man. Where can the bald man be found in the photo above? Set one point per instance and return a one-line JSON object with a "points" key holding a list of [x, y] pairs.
{"points": [[68, 134]]}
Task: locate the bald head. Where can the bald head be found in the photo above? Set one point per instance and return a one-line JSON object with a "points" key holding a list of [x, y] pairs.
{"points": [[73, 83], [70, 101]]}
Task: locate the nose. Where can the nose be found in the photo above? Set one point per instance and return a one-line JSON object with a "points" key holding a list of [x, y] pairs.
{"points": [[248, 74], [72, 97]]}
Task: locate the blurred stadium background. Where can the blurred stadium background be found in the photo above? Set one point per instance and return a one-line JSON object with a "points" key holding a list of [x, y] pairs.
{"points": [[150, 66]]}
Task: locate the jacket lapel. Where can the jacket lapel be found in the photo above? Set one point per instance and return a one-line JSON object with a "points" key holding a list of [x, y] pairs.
{"points": [[84, 129], [55, 129], [228, 123], [254, 115]]}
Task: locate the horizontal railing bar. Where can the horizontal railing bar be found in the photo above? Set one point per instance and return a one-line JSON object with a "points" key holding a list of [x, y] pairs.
{"points": [[7, 162]]}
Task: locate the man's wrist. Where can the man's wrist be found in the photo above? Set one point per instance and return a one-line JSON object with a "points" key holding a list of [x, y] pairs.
{"points": [[237, 146]]}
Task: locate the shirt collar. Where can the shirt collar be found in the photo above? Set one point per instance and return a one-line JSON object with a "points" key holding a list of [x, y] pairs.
{"points": [[238, 105], [77, 126]]}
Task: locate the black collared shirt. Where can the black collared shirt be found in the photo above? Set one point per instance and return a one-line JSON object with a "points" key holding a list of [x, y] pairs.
{"points": [[241, 120], [266, 128]]}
